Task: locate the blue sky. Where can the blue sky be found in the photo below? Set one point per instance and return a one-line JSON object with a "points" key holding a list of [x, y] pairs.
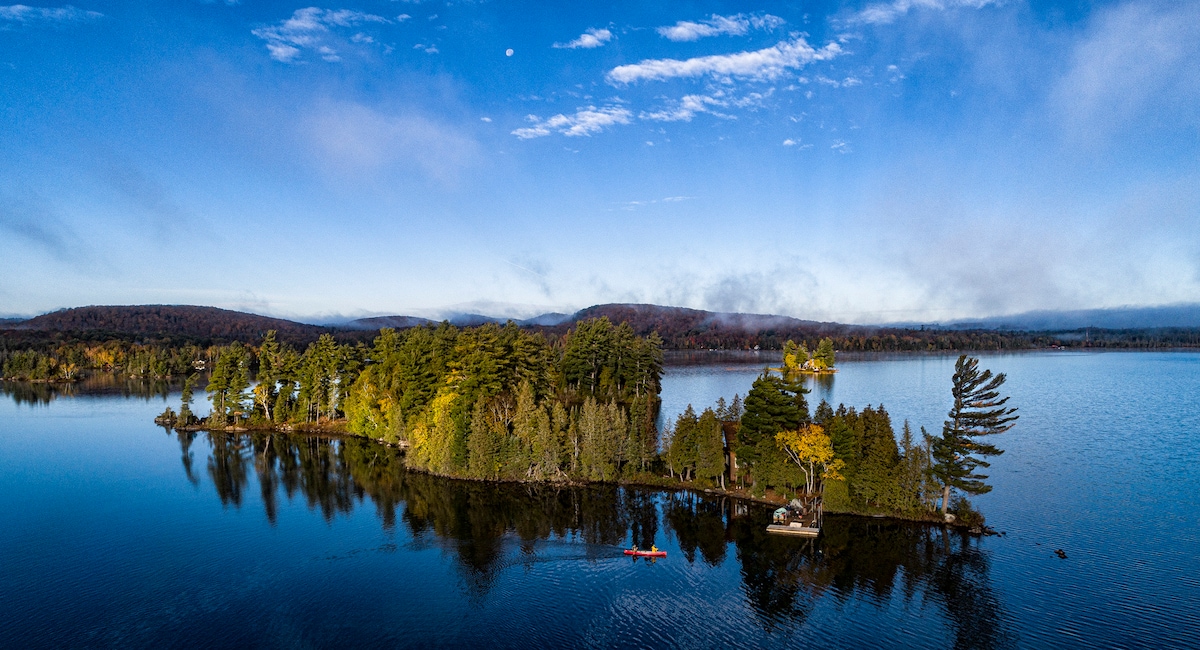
{"points": [[915, 160]]}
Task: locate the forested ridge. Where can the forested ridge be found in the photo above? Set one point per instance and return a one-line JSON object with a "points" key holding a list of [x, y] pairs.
{"points": [[166, 324]]}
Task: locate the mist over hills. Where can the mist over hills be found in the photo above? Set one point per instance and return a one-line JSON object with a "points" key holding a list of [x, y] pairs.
{"points": [[1117, 318]]}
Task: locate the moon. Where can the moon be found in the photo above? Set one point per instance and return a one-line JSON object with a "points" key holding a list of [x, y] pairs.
{"points": [[508, 52]]}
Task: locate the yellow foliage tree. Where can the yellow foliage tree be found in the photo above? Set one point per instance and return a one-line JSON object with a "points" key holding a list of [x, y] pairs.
{"points": [[811, 449]]}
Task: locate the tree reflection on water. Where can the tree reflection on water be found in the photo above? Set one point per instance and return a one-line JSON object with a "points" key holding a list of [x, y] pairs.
{"points": [[96, 384], [783, 578]]}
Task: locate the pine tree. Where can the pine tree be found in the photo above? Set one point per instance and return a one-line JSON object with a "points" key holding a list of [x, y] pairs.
{"points": [[265, 392], [978, 411], [683, 450], [710, 448], [483, 447], [875, 481], [524, 428], [185, 399], [227, 384], [772, 405], [735, 408], [239, 379], [914, 465], [823, 414], [825, 353]]}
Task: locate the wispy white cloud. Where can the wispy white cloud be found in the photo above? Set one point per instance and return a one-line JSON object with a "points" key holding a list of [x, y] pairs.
{"points": [[737, 25], [767, 63], [587, 40], [308, 29], [634, 205], [688, 106], [887, 12], [585, 121], [848, 82], [32, 15]]}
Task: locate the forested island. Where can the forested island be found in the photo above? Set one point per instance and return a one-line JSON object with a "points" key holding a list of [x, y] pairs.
{"points": [[501, 403]]}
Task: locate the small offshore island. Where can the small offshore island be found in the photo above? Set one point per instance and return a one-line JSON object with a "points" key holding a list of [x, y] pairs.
{"points": [[499, 403]]}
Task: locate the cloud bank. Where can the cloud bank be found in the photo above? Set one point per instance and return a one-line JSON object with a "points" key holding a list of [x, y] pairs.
{"points": [[765, 64], [738, 25], [307, 29]]}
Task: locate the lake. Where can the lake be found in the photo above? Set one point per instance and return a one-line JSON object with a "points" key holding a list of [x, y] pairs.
{"points": [[115, 532]]}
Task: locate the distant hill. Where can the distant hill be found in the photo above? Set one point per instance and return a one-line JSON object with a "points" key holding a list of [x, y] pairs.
{"points": [[549, 319], [685, 328], [380, 322], [199, 324], [1119, 318]]}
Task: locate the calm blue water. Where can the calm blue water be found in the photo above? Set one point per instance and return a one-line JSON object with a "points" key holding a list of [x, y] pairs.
{"points": [[114, 532]]}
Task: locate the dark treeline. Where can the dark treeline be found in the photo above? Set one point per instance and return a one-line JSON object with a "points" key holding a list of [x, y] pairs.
{"points": [[782, 580], [488, 402]]}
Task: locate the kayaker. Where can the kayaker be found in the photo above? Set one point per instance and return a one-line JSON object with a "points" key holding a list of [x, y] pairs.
{"points": [[635, 548], [653, 548]]}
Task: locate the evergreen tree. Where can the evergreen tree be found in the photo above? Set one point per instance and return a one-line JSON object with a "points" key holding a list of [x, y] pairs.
{"points": [[185, 407], [269, 371], [825, 353], [710, 448], [227, 384], [546, 449], [978, 410], [721, 410], [239, 380], [875, 481], [772, 405], [683, 448], [218, 391], [482, 444], [735, 409], [823, 414], [914, 466]]}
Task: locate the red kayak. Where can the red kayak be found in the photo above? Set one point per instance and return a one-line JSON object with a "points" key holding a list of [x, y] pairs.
{"points": [[630, 551]]}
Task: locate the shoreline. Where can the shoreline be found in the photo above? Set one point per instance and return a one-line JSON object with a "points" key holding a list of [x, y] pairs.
{"points": [[336, 429]]}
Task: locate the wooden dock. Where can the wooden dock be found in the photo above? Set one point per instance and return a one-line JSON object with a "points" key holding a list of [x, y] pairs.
{"points": [[793, 529]]}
